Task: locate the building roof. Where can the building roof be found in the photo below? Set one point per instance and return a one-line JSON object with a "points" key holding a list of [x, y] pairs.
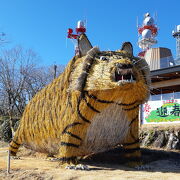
{"points": [[166, 80]]}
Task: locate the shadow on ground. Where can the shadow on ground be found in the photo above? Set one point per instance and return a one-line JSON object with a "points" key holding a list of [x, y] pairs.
{"points": [[153, 160]]}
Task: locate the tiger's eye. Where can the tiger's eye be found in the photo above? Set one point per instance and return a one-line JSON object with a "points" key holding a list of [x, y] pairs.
{"points": [[103, 58]]}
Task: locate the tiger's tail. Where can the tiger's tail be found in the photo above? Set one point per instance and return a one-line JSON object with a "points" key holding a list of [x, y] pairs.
{"points": [[14, 146]]}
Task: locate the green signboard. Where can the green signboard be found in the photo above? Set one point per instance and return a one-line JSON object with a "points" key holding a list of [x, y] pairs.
{"points": [[161, 112]]}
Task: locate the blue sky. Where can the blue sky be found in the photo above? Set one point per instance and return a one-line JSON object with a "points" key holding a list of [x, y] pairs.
{"points": [[42, 24]]}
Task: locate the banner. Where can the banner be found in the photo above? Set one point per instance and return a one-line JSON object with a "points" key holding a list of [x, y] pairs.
{"points": [[167, 111]]}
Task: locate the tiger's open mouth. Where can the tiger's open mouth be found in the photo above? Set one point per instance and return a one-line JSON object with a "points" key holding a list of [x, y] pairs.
{"points": [[124, 75]]}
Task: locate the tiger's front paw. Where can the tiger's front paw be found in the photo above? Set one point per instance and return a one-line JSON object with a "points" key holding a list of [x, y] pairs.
{"points": [[14, 157], [78, 167]]}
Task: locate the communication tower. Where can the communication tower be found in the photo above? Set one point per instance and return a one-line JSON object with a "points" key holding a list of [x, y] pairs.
{"points": [[147, 32], [80, 29], [176, 34]]}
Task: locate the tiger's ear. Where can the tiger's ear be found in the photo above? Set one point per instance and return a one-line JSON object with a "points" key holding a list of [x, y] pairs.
{"points": [[127, 46], [84, 45]]}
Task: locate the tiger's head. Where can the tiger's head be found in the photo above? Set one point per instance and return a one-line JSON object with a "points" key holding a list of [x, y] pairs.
{"points": [[118, 73]]}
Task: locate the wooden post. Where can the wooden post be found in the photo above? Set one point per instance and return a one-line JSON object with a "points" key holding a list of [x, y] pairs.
{"points": [[8, 163], [55, 71]]}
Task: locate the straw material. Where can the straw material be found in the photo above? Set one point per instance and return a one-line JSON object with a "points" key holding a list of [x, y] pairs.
{"points": [[85, 110]]}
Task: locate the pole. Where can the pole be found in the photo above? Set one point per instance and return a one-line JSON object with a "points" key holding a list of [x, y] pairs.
{"points": [[8, 163], [55, 71]]}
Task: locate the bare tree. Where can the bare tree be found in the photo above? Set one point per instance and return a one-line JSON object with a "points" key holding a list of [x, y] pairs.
{"points": [[21, 79], [12, 81], [39, 77]]}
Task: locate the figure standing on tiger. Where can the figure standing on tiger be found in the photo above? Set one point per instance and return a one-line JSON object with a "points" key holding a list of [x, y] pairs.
{"points": [[92, 107]]}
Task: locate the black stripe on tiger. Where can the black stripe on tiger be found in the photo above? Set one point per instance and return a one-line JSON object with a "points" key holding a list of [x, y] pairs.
{"points": [[13, 147], [133, 120], [108, 102], [70, 126], [79, 113], [69, 144], [72, 135], [133, 137], [131, 133], [17, 144], [99, 100], [12, 153], [134, 107], [90, 106]]}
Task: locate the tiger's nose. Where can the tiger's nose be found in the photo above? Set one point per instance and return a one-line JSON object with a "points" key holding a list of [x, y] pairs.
{"points": [[124, 66]]}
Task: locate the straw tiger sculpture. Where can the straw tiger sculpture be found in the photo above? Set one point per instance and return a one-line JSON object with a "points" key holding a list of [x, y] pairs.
{"points": [[91, 107]]}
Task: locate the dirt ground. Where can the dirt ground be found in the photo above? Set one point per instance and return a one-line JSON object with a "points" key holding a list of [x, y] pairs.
{"points": [[163, 165]]}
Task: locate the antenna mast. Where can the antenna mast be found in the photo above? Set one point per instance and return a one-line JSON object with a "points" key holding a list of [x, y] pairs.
{"points": [[176, 34], [148, 31], [80, 29]]}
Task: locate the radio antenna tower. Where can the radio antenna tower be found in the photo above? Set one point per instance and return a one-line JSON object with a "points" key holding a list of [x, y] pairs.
{"points": [[80, 29], [147, 32], [176, 34]]}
